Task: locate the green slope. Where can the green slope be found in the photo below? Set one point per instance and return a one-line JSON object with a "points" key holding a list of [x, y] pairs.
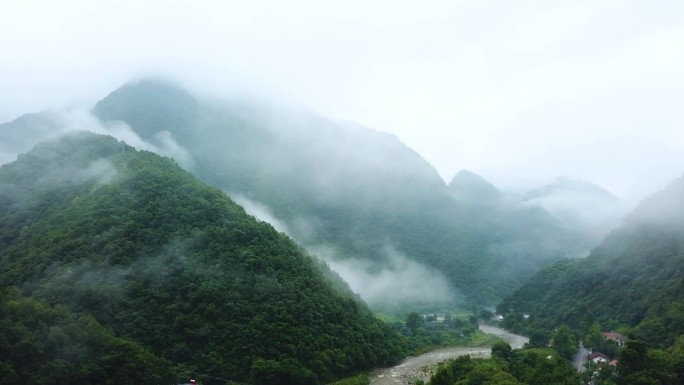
{"points": [[166, 262], [43, 344], [635, 278], [347, 187]]}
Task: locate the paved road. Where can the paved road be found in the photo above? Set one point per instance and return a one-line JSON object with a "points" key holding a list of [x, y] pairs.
{"points": [[580, 358], [420, 367]]}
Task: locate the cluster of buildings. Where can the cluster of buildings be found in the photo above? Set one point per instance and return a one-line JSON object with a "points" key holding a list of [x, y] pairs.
{"points": [[600, 360]]}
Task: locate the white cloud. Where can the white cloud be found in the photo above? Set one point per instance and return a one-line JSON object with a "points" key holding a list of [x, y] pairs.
{"points": [[493, 86], [389, 280], [260, 212]]}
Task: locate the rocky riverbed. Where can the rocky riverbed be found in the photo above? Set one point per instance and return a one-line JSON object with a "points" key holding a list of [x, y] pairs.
{"points": [[422, 367]]}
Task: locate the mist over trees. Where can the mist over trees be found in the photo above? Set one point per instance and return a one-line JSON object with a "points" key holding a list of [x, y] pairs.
{"points": [[351, 191], [360, 199], [633, 278], [121, 252], [632, 282], [173, 269], [586, 207]]}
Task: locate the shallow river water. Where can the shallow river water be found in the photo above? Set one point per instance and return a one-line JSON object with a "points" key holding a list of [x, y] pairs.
{"points": [[421, 367]]}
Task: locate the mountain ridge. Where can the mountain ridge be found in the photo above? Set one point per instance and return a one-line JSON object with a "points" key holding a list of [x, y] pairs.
{"points": [[359, 192], [472, 187], [128, 237], [341, 187]]}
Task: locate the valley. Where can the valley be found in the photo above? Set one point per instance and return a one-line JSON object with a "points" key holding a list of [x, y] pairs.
{"points": [[423, 366], [247, 242]]}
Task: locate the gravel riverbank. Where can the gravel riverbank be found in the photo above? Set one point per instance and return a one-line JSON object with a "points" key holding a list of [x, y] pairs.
{"points": [[422, 367]]}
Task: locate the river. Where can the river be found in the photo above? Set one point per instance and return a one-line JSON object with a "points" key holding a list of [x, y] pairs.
{"points": [[421, 367]]}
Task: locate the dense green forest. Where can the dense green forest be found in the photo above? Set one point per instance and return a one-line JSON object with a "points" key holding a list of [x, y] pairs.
{"points": [[117, 262], [638, 365], [538, 366], [360, 195], [641, 364], [120, 266], [634, 279], [43, 344], [357, 191], [633, 282]]}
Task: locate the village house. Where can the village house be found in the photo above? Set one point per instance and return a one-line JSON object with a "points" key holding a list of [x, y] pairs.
{"points": [[598, 358], [618, 338]]}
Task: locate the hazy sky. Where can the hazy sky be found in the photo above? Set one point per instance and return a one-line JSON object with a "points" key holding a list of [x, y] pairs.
{"points": [[518, 91]]}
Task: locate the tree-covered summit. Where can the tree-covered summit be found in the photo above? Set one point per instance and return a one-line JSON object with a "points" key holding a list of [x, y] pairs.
{"points": [[175, 267]]}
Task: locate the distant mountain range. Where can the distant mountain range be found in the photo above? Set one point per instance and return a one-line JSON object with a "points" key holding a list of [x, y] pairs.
{"points": [[471, 188], [362, 200], [563, 185], [580, 205], [634, 278], [121, 265]]}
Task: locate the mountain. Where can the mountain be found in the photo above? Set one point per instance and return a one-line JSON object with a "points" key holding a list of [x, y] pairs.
{"points": [[363, 200], [22, 133], [580, 205], [523, 237], [563, 185], [150, 110], [375, 210], [634, 278], [355, 195], [94, 232], [472, 188]]}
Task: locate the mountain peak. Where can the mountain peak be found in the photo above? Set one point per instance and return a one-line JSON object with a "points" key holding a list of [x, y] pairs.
{"points": [[470, 186], [152, 87], [665, 207], [149, 106], [564, 185]]}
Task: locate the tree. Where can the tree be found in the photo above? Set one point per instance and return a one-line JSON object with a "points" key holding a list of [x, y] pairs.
{"points": [[640, 365], [677, 356], [538, 339], [448, 320], [287, 371], [486, 314], [550, 371], [564, 342], [502, 350], [594, 339], [414, 321]]}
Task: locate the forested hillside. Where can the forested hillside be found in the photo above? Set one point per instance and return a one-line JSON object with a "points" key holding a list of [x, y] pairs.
{"points": [[359, 194], [635, 278], [508, 367], [118, 261]]}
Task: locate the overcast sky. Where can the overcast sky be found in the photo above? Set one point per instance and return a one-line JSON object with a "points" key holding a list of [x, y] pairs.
{"points": [[518, 91]]}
